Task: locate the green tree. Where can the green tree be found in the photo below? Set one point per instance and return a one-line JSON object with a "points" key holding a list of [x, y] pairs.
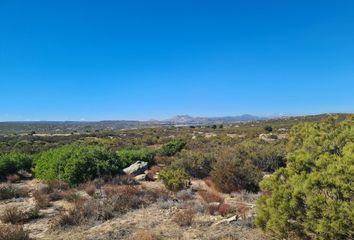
{"points": [[312, 197]]}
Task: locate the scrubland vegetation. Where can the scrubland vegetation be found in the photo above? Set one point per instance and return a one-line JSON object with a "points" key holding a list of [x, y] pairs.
{"points": [[279, 179]]}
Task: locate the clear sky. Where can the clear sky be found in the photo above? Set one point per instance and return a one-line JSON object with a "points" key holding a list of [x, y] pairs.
{"points": [[94, 60]]}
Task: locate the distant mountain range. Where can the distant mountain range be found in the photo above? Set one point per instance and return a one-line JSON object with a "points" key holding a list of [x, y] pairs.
{"points": [[83, 126], [187, 120]]}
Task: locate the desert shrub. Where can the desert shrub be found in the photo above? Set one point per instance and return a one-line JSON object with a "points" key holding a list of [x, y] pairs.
{"points": [[231, 173], [174, 179], [171, 148], [224, 209], [71, 196], [12, 215], [130, 156], [90, 189], [57, 185], [212, 208], [184, 218], [211, 196], [76, 163], [11, 163], [152, 172], [266, 156], [42, 200], [123, 180], [196, 164], [184, 195], [312, 197], [13, 232], [32, 213], [7, 191]]}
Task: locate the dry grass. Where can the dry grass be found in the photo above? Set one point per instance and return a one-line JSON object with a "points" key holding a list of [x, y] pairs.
{"points": [[122, 180], [12, 215], [184, 218], [184, 195], [143, 235], [8, 191], [242, 210], [13, 232], [42, 200], [211, 196], [213, 209], [90, 189], [71, 196], [112, 190]]}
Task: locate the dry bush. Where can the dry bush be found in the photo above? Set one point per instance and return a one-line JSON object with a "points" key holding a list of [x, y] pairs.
{"points": [[12, 215], [209, 182], [7, 191], [224, 209], [90, 189], [32, 214], [42, 200], [242, 210], [123, 180], [163, 160], [213, 208], [143, 235], [211, 196], [56, 195], [13, 178], [71, 196], [152, 172], [66, 219], [184, 195], [13, 232], [184, 218], [112, 190], [59, 185]]}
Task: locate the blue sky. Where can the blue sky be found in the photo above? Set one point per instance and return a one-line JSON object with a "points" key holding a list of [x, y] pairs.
{"points": [[94, 60]]}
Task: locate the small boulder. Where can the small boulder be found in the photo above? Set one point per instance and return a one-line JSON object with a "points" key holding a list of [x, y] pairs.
{"points": [[141, 177], [136, 169]]}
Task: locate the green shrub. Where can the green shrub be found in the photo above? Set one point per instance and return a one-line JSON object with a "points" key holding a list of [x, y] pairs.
{"points": [[171, 148], [312, 198], [196, 164], [266, 156], [11, 163], [75, 163], [174, 179], [231, 173], [130, 156]]}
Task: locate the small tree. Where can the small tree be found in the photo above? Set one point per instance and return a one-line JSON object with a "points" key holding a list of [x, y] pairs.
{"points": [[232, 173], [312, 197]]}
